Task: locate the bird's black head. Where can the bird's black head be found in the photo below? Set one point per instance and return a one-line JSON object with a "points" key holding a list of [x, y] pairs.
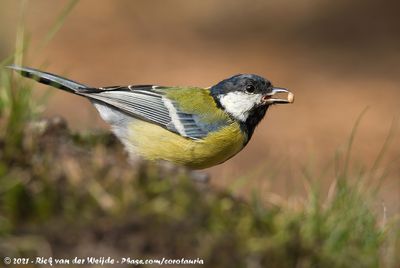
{"points": [[246, 98]]}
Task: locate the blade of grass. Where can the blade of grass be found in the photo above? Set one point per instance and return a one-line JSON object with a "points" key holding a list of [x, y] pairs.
{"points": [[20, 38], [59, 22], [385, 146], [350, 143]]}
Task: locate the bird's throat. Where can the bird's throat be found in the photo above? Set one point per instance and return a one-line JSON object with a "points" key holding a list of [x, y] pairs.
{"points": [[254, 118]]}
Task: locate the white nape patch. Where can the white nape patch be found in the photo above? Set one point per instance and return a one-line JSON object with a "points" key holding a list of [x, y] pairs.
{"points": [[174, 116], [239, 104]]}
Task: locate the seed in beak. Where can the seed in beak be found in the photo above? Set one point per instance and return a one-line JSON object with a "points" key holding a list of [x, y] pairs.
{"points": [[290, 97], [273, 97]]}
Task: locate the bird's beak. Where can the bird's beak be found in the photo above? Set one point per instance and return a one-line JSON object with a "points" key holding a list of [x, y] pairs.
{"points": [[269, 97]]}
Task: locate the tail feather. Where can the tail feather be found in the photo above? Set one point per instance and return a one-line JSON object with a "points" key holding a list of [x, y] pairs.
{"points": [[49, 79]]}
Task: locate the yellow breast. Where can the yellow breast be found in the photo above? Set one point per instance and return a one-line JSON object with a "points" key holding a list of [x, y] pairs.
{"points": [[156, 143]]}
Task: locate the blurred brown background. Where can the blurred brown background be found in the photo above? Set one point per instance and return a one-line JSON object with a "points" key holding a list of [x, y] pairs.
{"points": [[338, 57]]}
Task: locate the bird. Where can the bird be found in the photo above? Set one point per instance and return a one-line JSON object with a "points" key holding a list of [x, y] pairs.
{"points": [[189, 126]]}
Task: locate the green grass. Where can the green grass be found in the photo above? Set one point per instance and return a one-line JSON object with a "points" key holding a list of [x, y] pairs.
{"points": [[61, 195], [71, 194]]}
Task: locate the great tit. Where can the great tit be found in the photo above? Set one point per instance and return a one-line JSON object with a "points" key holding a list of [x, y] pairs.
{"points": [[190, 126]]}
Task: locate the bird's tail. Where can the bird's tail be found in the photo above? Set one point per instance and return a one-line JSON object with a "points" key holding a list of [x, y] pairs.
{"points": [[49, 79]]}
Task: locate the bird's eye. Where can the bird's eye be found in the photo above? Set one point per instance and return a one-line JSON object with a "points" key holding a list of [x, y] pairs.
{"points": [[250, 88]]}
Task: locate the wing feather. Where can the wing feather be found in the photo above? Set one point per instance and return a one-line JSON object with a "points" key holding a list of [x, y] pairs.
{"points": [[150, 103]]}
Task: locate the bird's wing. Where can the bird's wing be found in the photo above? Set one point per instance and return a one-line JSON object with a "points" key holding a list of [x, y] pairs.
{"points": [[159, 105]]}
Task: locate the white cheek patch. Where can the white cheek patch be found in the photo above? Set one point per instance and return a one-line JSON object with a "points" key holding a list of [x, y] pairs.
{"points": [[239, 104]]}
